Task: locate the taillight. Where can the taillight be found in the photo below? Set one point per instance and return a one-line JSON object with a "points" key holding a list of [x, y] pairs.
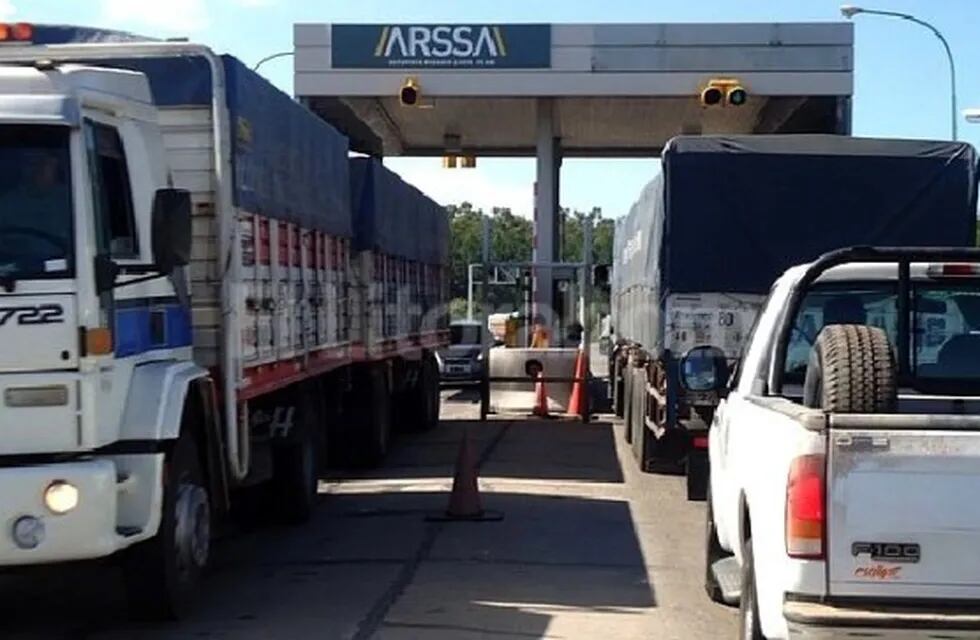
{"points": [[806, 512], [953, 270]]}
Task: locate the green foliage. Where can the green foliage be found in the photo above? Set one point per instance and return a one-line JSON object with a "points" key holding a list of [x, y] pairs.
{"points": [[510, 241], [457, 309]]}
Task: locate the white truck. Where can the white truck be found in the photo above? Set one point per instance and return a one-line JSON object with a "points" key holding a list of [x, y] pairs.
{"points": [[201, 297], [845, 455]]}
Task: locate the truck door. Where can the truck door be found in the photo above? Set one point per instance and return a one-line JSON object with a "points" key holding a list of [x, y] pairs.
{"points": [[115, 237]]}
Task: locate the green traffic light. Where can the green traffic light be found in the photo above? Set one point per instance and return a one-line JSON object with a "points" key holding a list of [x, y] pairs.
{"points": [[737, 97]]}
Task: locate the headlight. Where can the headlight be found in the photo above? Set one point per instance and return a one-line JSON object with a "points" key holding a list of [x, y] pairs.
{"points": [[479, 357], [61, 497]]}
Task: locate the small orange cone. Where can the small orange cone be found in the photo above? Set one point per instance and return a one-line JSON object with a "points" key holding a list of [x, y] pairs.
{"points": [[464, 501], [540, 398], [578, 402]]}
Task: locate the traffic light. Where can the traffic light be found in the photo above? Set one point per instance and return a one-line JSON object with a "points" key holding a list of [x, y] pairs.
{"points": [[724, 92], [410, 93]]}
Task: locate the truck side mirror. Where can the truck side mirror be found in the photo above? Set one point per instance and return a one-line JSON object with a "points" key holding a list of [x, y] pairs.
{"points": [[171, 229], [106, 272], [704, 369]]}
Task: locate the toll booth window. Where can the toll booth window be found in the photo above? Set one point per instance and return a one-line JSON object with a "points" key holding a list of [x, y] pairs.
{"points": [[111, 191], [874, 305]]}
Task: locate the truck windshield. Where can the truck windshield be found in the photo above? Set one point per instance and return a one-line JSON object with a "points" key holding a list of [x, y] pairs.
{"points": [[945, 325], [35, 202]]}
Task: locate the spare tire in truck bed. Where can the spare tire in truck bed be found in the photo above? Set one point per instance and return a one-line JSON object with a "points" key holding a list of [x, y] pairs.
{"points": [[851, 370]]}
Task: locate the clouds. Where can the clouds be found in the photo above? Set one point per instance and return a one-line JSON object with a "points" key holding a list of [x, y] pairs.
{"points": [[7, 9], [174, 16], [452, 186]]}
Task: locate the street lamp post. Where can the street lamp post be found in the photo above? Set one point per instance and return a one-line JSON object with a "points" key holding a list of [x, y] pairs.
{"points": [[281, 54], [849, 11]]}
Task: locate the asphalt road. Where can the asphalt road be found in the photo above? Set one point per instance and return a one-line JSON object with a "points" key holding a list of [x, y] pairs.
{"points": [[588, 548]]}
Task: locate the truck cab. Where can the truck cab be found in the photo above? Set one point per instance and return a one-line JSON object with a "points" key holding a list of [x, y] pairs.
{"points": [[84, 183]]}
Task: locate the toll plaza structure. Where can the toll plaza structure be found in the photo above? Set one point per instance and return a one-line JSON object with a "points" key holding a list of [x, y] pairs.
{"points": [[569, 90]]}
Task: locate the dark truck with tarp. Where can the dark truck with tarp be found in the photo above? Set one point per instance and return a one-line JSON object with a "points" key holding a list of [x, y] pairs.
{"points": [[699, 250]]}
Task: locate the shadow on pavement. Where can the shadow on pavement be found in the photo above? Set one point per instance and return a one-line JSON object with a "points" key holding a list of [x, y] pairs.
{"points": [[370, 566], [522, 448]]}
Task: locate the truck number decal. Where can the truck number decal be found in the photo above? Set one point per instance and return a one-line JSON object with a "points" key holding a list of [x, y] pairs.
{"points": [[887, 551], [40, 314]]}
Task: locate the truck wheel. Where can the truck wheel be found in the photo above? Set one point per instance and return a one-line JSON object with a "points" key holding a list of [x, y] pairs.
{"points": [[616, 387], [626, 407], [851, 370], [163, 574], [712, 553], [375, 432], [431, 392], [696, 469], [749, 627], [418, 406], [295, 474]]}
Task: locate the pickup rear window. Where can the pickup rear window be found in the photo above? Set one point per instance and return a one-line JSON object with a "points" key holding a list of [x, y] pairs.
{"points": [[945, 325]]}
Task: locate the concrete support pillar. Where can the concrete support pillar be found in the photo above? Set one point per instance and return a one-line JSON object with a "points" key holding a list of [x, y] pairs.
{"points": [[546, 207]]}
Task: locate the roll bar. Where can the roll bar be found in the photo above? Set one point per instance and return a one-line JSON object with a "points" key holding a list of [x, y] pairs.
{"points": [[902, 256]]}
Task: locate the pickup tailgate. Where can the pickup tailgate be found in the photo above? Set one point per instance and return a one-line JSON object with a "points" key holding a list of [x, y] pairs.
{"points": [[903, 502]]}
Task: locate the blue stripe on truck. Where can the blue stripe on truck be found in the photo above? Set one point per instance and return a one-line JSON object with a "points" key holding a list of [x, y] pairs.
{"points": [[148, 324]]}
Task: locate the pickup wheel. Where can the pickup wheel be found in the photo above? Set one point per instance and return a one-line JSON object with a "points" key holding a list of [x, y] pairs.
{"points": [[851, 370], [163, 574], [749, 627], [712, 553]]}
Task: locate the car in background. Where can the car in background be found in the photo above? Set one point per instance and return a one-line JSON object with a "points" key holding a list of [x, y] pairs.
{"points": [[462, 360]]}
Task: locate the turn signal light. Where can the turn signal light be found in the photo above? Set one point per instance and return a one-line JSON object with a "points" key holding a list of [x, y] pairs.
{"points": [[96, 341], [16, 32], [806, 507]]}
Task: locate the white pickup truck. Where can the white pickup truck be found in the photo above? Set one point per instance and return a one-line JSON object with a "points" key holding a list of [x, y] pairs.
{"points": [[845, 457]]}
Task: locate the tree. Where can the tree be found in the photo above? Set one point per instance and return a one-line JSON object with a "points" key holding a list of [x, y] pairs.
{"points": [[511, 241]]}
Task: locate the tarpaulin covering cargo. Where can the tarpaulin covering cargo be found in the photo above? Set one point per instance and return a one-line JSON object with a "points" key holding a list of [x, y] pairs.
{"points": [[287, 163], [395, 218], [728, 214]]}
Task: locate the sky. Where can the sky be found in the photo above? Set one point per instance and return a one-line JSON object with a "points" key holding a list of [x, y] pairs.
{"points": [[901, 76]]}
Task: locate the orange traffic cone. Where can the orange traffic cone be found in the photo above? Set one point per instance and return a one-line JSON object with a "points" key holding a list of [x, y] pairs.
{"points": [[464, 501], [578, 402], [540, 398]]}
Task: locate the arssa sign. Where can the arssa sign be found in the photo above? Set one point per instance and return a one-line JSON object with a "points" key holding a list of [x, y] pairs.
{"points": [[478, 46]]}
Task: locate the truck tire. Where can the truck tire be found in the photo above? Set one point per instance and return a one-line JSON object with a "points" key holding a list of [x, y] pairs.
{"points": [[296, 465], [626, 406], [374, 434], [696, 470], [419, 405], [432, 393], [163, 574], [616, 387], [851, 370], [749, 626]]}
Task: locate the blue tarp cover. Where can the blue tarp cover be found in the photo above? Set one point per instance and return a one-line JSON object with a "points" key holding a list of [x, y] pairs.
{"points": [[288, 163], [729, 214], [394, 217]]}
